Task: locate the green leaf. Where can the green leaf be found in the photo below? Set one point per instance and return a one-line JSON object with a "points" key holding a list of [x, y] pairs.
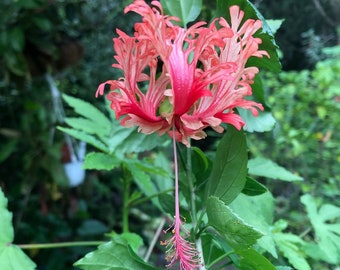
{"points": [[236, 231], [167, 203], [291, 247], [17, 39], [7, 149], [253, 188], [229, 170], [90, 112], [134, 142], [88, 126], [252, 260], [6, 232], [91, 227], [266, 168], [114, 255], [43, 23], [11, 256], [265, 121], [82, 136], [326, 231], [258, 211], [266, 35], [100, 161], [134, 240], [201, 165], [142, 179], [274, 24], [186, 10]]}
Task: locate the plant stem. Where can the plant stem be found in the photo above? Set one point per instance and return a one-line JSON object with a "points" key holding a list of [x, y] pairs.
{"points": [[177, 212], [193, 206], [220, 259], [145, 199], [60, 245], [154, 240]]}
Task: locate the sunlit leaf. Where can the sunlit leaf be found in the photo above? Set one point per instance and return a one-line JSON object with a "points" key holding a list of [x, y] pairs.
{"points": [[88, 111], [85, 137], [291, 247], [83, 124], [100, 161], [141, 178], [274, 24], [266, 168], [261, 123], [6, 232], [258, 211], [326, 230], [11, 256], [114, 255], [229, 170], [235, 230]]}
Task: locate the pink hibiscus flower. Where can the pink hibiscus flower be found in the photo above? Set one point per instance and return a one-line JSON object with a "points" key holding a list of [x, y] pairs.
{"points": [[203, 76]]}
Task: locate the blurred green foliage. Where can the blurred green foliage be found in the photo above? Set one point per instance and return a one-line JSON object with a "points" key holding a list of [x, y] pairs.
{"points": [[71, 39], [305, 139]]}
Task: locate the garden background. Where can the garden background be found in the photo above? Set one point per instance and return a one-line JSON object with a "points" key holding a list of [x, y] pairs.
{"points": [[52, 47]]}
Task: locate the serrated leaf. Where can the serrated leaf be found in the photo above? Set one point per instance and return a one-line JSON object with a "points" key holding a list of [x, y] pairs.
{"points": [[13, 258], [114, 255], [134, 142], [252, 260], [291, 247], [142, 179], [253, 188], [264, 167], [100, 161], [89, 111], [327, 233], [229, 170], [236, 231], [88, 126], [186, 10], [134, 240], [266, 35], [258, 211], [85, 137]]}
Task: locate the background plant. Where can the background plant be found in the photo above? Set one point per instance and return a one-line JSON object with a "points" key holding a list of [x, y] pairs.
{"points": [[72, 214]]}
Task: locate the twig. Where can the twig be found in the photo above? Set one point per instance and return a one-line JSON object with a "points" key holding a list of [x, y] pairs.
{"points": [[154, 240]]}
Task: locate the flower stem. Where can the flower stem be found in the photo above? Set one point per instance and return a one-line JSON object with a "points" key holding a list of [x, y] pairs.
{"points": [[177, 215], [60, 245], [220, 258]]}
